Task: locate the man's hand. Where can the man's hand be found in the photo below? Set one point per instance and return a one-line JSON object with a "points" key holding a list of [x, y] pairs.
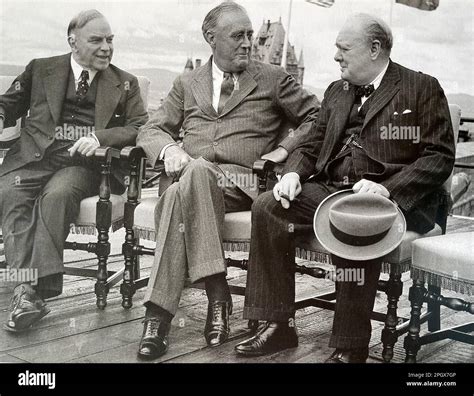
{"points": [[367, 186], [85, 146], [278, 155], [176, 160], [288, 186]]}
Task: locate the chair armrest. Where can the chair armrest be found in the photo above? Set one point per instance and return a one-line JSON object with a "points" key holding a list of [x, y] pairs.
{"points": [[263, 169], [463, 165]]}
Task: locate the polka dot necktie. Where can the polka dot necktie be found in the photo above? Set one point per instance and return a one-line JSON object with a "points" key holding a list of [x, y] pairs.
{"points": [[83, 85]]}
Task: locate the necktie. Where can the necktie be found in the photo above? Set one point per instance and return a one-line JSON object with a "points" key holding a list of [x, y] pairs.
{"points": [[364, 90], [83, 85], [227, 88]]}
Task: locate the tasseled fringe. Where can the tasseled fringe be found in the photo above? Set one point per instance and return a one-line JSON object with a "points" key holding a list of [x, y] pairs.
{"points": [[145, 233], [91, 229], [236, 246], [399, 268], [310, 255], [457, 285]]}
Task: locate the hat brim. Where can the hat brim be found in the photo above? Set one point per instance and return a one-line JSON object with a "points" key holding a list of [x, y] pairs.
{"points": [[379, 249]]}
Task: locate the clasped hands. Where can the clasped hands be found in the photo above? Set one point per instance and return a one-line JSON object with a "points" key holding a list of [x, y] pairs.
{"points": [[289, 187]]}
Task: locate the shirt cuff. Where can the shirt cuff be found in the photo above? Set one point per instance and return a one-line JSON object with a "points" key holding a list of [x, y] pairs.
{"points": [[161, 157], [95, 138]]}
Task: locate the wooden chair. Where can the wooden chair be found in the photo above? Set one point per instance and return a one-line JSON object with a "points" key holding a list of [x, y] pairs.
{"points": [[139, 223], [443, 262], [98, 214]]}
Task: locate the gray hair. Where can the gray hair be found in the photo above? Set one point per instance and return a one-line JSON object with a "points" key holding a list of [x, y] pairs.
{"points": [[82, 19], [212, 17], [376, 29]]}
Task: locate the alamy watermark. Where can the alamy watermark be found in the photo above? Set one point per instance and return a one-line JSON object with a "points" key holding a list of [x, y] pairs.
{"points": [[403, 132], [19, 275], [73, 132], [243, 180]]}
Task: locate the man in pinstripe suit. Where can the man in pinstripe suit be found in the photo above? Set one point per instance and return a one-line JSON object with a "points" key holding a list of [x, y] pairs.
{"points": [[352, 145], [233, 111]]}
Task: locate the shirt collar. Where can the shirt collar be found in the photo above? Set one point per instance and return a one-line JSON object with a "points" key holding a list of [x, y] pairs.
{"points": [[218, 74], [378, 79], [77, 70]]}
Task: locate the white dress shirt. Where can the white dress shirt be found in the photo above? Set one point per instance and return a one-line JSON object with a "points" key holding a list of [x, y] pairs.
{"points": [[77, 70], [376, 83]]}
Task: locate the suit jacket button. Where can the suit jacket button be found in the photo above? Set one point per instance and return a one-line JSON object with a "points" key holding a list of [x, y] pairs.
{"points": [[215, 143], [37, 155], [219, 120]]}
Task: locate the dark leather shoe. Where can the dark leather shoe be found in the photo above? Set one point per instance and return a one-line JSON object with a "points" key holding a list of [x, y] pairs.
{"points": [[26, 308], [154, 342], [272, 337], [217, 327], [349, 356]]}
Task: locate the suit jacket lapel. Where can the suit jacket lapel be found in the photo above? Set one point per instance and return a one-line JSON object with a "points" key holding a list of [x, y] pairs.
{"points": [[55, 85], [246, 84], [201, 88], [108, 96], [386, 91]]}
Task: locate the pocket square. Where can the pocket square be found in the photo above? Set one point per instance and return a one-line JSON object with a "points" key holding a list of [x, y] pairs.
{"points": [[407, 111], [395, 113]]}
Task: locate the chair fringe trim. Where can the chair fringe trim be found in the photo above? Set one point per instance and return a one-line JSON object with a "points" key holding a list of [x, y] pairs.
{"points": [[462, 286], [310, 255], [90, 229], [145, 233], [236, 246], [399, 268]]}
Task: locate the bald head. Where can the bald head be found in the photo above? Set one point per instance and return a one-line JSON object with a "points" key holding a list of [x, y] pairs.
{"points": [[363, 48]]}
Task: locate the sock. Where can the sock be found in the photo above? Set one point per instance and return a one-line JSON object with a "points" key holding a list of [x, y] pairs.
{"points": [[217, 288]]}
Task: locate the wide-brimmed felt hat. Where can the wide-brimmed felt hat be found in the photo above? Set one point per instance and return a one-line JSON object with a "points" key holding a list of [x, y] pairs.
{"points": [[362, 226]]}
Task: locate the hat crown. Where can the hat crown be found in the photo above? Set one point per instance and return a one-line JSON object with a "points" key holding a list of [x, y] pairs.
{"points": [[363, 214]]}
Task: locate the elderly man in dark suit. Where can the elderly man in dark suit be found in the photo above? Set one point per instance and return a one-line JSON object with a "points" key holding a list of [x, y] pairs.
{"points": [[351, 146], [233, 111], [76, 102]]}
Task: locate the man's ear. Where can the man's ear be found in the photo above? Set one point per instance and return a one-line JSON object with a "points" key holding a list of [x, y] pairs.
{"points": [[72, 41], [375, 49], [210, 38]]}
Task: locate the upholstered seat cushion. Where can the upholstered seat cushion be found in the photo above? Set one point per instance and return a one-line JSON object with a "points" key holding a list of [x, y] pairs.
{"points": [[446, 261], [236, 226], [85, 223]]}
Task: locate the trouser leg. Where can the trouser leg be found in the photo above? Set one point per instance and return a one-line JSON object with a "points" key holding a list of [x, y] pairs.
{"points": [[270, 291], [354, 302], [189, 222]]}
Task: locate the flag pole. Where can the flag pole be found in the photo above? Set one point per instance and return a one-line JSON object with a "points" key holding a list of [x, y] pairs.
{"points": [[287, 37]]}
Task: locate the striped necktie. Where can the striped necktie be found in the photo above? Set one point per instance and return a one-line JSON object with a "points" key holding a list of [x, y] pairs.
{"points": [[227, 88]]}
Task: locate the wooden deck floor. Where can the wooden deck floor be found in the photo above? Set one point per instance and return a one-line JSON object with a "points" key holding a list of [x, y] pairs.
{"points": [[75, 331]]}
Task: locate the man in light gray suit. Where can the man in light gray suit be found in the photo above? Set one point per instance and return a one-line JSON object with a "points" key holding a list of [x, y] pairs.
{"points": [[233, 111]]}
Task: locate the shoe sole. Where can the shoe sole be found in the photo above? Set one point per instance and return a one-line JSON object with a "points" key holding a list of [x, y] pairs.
{"points": [[26, 320]]}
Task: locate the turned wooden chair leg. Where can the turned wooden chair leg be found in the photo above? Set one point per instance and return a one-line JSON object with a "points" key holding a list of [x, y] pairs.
{"points": [[394, 288], [103, 223], [434, 320], [411, 344], [128, 287]]}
